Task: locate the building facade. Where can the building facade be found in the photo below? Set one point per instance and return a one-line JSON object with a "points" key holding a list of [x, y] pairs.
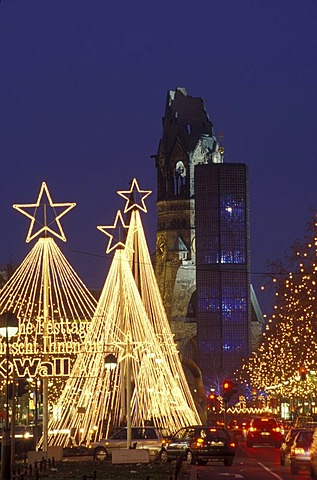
{"points": [[222, 268]]}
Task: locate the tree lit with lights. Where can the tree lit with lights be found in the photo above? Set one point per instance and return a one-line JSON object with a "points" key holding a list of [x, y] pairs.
{"points": [[146, 382], [53, 305], [289, 342]]}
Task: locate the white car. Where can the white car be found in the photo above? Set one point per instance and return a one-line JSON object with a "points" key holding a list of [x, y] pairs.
{"points": [[141, 437]]}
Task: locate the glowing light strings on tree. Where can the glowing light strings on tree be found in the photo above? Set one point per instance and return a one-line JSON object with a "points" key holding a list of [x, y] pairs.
{"points": [[141, 265], [93, 400], [290, 339], [69, 304]]}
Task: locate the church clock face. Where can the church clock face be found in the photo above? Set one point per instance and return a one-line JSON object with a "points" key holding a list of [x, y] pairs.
{"points": [[161, 246]]}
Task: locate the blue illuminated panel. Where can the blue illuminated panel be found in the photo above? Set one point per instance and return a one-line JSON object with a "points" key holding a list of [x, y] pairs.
{"points": [[222, 266]]}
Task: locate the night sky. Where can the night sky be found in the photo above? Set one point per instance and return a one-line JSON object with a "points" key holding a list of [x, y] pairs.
{"points": [[83, 85]]}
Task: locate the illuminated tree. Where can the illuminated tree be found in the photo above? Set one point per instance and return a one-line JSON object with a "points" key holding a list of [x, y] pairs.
{"points": [[53, 305], [290, 337], [133, 330], [143, 272]]}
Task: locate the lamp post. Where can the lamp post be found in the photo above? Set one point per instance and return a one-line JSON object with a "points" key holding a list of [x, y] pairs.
{"points": [[110, 364], [8, 328], [128, 373]]}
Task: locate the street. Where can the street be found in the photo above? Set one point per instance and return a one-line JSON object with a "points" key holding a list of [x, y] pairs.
{"points": [[257, 463]]}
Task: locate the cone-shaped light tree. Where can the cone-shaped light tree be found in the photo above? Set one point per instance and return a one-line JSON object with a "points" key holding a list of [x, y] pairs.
{"points": [[53, 305], [143, 272], [289, 341], [142, 387]]}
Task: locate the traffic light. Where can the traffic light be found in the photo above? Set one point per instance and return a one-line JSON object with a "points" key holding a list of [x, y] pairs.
{"points": [[211, 400], [303, 373], [228, 390]]}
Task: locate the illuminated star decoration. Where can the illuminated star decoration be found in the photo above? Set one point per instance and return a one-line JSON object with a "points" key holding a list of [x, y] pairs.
{"points": [[120, 241], [45, 224], [135, 197]]}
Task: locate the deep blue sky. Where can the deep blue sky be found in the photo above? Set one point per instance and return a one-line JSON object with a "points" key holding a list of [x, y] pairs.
{"points": [[82, 92]]}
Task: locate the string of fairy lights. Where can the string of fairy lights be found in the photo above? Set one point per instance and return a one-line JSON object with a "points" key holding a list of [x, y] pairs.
{"points": [[23, 292], [290, 338]]}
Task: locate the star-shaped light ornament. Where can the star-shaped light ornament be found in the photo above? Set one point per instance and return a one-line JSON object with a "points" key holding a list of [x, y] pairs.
{"points": [[128, 348], [119, 240], [44, 213], [135, 197]]}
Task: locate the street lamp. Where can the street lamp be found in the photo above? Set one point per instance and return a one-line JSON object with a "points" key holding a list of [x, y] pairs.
{"points": [[9, 324], [110, 364]]}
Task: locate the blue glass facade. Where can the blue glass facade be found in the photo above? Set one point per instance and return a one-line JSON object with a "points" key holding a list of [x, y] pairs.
{"points": [[222, 267]]}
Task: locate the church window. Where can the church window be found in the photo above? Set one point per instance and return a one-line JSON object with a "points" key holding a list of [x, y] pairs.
{"points": [[179, 178]]}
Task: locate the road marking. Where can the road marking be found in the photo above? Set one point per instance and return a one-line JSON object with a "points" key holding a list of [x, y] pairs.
{"points": [[270, 471]]}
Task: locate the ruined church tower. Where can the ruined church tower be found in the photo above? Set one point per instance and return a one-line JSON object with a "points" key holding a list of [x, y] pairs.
{"points": [[187, 140]]}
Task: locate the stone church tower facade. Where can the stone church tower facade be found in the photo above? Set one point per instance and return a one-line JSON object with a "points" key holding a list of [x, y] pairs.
{"points": [[187, 140]]}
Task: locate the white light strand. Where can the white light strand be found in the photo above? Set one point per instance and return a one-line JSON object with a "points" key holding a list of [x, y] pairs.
{"points": [[70, 302]]}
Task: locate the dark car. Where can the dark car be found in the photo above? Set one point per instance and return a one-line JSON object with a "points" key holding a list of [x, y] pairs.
{"points": [[141, 437], [199, 444], [264, 431], [238, 428], [300, 451], [235, 427], [287, 443]]}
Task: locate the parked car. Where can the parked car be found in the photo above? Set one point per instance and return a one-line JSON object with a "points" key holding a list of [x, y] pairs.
{"points": [[264, 431], [235, 428], [300, 451], [302, 420], [199, 444], [141, 437], [287, 442]]}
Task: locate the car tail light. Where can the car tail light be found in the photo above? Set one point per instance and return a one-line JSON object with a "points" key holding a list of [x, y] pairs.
{"points": [[232, 444], [252, 429], [277, 429], [200, 442]]}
